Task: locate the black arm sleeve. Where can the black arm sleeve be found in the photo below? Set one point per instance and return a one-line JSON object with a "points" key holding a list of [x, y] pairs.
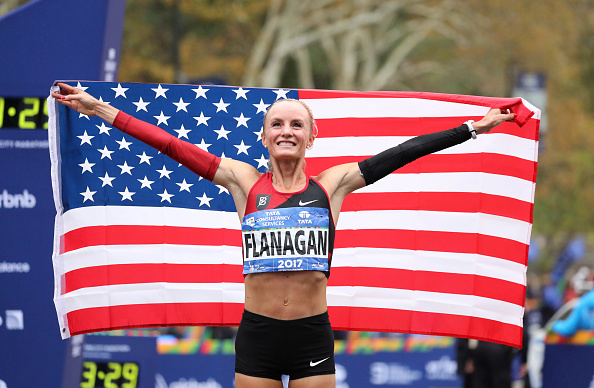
{"points": [[388, 161]]}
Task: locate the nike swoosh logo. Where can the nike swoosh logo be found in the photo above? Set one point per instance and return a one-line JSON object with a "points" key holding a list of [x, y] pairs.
{"points": [[306, 203], [311, 363]]}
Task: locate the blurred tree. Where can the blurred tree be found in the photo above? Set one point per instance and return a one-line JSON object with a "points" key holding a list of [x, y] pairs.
{"points": [[188, 40], [10, 5], [352, 45]]}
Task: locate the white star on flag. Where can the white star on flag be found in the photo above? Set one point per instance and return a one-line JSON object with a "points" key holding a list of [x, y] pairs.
{"points": [[259, 133], [106, 180], [165, 196], [126, 194], [85, 138], [125, 168], [88, 194], [184, 186], [124, 144], [144, 158], [241, 120], [222, 189], [262, 161], [203, 146], [120, 91], [141, 105], [222, 133], [221, 105], [200, 92], [164, 172], [181, 105], [242, 148], [261, 106], [202, 119], [182, 132], [160, 92], [145, 183], [204, 200], [86, 166], [281, 93], [241, 93], [105, 153], [80, 87], [162, 119], [103, 128]]}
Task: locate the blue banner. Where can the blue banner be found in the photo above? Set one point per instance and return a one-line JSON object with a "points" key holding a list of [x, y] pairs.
{"points": [[34, 55], [32, 349], [32, 352], [568, 366]]}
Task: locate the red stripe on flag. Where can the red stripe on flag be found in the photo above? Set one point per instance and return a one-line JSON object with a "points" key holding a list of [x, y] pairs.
{"points": [[109, 275], [452, 283], [405, 321], [150, 315], [371, 238], [443, 282], [433, 241], [446, 202], [444, 163], [405, 126]]}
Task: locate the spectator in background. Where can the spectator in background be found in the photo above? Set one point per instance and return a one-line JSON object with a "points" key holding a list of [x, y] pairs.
{"points": [[485, 364], [581, 318]]}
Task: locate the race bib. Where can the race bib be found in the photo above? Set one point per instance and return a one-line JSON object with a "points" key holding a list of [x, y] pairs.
{"points": [[288, 239]]}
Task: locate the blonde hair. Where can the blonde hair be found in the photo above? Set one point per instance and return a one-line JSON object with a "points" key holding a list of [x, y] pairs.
{"points": [[312, 121]]}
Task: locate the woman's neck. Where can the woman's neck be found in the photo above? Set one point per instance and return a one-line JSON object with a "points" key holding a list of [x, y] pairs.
{"points": [[288, 176]]}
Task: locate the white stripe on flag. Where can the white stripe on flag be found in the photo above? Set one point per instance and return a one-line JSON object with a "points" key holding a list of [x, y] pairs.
{"points": [[461, 182], [446, 262], [95, 256], [390, 107], [486, 224], [151, 293], [498, 143], [140, 215]]}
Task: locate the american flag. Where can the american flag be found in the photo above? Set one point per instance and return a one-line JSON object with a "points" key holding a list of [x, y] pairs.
{"points": [[438, 247]]}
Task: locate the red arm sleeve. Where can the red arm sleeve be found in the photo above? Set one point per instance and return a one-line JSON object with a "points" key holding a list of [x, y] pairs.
{"points": [[194, 158]]}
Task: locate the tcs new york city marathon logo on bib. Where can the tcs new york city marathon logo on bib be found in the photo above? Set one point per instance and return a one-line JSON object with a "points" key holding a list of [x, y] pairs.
{"points": [[287, 239]]}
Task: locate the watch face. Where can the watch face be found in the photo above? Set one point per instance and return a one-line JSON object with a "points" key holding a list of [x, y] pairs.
{"points": [[23, 113], [109, 374]]}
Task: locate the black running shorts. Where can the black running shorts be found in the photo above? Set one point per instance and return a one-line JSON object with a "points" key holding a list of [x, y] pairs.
{"points": [[269, 348]]}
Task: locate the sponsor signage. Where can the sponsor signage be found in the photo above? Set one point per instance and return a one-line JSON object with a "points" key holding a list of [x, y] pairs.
{"points": [[197, 360]]}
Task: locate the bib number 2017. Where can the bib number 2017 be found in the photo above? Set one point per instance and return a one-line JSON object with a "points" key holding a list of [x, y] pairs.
{"points": [[295, 263]]}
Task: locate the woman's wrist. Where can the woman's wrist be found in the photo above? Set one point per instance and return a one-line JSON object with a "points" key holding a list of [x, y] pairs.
{"points": [[481, 127], [106, 111]]}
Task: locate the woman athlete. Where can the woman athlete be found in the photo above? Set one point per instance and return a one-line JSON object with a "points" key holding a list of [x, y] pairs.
{"points": [[285, 327]]}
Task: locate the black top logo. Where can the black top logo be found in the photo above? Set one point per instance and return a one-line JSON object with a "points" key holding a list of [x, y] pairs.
{"points": [[262, 201]]}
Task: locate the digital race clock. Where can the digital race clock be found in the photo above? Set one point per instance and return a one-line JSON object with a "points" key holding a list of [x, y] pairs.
{"points": [[23, 112], [109, 375]]}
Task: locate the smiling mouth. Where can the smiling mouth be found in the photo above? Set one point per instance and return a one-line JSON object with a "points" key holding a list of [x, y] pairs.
{"points": [[285, 144]]}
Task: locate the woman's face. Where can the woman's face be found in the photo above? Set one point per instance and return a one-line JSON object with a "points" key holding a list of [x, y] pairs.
{"points": [[287, 130]]}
